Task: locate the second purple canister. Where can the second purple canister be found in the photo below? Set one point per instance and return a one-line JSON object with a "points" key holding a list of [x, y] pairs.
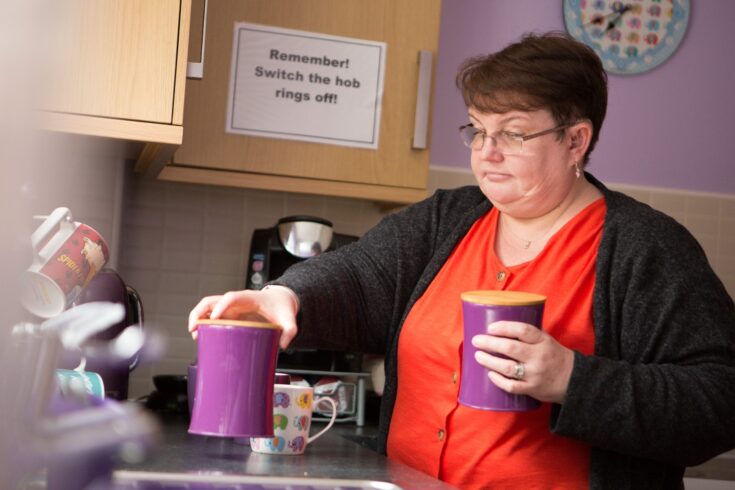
{"points": [[480, 309], [236, 365]]}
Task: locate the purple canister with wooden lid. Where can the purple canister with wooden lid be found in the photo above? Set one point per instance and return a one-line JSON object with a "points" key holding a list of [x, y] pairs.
{"points": [[480, 309], [236, 366]]}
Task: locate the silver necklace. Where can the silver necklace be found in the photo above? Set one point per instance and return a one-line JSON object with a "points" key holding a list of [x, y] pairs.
{"points": [[526, 244]]}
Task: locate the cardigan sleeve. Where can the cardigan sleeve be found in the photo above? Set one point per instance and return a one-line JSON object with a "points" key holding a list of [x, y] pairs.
{"points": [[661, 384]]}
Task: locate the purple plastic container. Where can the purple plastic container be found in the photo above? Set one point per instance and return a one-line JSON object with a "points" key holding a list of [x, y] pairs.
{"points": [[236, 365], [480, 309]]}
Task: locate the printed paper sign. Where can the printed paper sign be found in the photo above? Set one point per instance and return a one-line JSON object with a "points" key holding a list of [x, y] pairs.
{"points": [[305, 86]]}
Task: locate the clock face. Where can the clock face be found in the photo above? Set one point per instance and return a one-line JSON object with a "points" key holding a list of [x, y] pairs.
{"points": [[631, 36]]}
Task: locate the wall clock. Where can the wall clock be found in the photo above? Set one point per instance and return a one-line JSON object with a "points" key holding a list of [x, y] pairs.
{"points": [[631, 36]]}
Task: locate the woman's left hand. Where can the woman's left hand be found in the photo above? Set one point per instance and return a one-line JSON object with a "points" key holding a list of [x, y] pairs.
{"points": [[547, 364]]}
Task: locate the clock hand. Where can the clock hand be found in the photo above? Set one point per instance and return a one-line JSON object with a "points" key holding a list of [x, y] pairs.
{"points": [[600, 19], [613, 23]]}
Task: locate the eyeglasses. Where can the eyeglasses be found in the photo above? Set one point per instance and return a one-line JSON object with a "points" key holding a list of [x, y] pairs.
{"points": [[505, 142]]}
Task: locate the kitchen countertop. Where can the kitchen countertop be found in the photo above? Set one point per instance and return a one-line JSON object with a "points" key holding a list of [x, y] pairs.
{"points": [[332, 456], [342, 453], [721, 467]]}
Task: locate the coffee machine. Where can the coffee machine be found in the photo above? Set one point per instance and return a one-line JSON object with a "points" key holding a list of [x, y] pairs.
{"points": [[275, 249], [291, 240]]}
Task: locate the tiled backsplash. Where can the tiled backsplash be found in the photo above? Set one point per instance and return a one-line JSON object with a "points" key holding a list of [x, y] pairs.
{"points": [[181, 242]]}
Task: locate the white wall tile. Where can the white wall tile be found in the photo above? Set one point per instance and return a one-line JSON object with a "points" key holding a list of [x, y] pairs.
{"points": [[303, 204], [143, 280], [258, 221], [142, 257], [225, 242], [145, 192], [265, 204], [727, 266], [727, 208], [141, 382], [703, 226], [702, 205], [729, 282], [182, 348], [448, 178], [225, 201], [182, 250], [727, 237], [147, 236], [672, 204], [213, 284], [143, 215], [187, 197], [176, 305], [175, 322], [178, 282], [190, 220], [223, 262], [342, 210]]}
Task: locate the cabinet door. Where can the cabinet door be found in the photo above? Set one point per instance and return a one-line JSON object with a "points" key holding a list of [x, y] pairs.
{"points": [[117, 59], [407, 26]]}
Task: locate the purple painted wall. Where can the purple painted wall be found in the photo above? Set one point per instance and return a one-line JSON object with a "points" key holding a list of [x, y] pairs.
{"points": [[671, 127]]}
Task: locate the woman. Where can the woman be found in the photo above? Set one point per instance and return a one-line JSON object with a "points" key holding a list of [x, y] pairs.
{"points": [[636, 359]]}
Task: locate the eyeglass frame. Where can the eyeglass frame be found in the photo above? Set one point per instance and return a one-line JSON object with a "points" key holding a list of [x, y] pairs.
{"points": [[522, 138]]}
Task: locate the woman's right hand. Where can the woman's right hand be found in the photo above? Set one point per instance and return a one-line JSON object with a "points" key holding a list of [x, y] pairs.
{"points": [[277, 304]]}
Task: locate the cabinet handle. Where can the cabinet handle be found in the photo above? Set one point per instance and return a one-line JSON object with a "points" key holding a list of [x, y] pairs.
{"points": [[423, 101], [195, 69]]}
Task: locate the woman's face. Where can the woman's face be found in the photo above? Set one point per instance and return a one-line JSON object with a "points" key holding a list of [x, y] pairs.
{"points": [[533, 182]]}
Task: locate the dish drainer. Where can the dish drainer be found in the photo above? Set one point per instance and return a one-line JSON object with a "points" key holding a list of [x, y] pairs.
{"points": [[358, 414]]}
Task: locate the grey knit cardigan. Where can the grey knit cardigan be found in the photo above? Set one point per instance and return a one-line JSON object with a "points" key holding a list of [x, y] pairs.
{"points": [[658, 394]]}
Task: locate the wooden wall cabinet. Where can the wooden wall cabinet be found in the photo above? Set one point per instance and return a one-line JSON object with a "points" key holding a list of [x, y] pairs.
{"points": [[119, 69], [395, 172]]}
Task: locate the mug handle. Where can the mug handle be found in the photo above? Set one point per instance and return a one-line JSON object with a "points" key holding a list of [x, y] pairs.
{"points": [[331, 421], [82, 365], [137, 304], [50, 223]]}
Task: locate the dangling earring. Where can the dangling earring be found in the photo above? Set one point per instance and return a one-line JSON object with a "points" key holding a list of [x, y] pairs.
{"points": [[577, 170]]}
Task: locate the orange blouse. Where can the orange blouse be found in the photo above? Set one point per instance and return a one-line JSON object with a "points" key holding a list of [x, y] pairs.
{"points": [[473, 448]]}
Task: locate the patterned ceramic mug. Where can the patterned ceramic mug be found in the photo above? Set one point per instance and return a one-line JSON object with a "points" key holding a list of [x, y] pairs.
{"points": [[66, 256], [78, 381], [292, 409]]}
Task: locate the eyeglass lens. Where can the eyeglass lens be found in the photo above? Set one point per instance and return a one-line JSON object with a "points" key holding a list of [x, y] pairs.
{"points": [[502, 141]]}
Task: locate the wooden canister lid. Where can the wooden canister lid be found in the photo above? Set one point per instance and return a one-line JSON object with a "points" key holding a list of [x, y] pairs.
{"points": [[503, 298], [237, 323]]}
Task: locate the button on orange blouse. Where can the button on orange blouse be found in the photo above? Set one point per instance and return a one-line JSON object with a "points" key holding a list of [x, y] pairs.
{"points": [[487, 449]]}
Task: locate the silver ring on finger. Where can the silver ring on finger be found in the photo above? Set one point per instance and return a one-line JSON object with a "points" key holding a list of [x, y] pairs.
{"points": [[520, 370]]}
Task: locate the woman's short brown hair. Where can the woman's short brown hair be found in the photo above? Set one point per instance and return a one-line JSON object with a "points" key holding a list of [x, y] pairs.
{"points": [[549, 71]]}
